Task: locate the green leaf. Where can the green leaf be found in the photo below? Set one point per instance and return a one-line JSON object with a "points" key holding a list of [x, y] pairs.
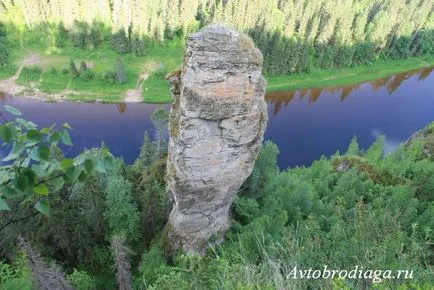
{"points": [[100, 167], [34, 135], [21, 183], [55, 137], [8, 191], [4, 205], [58, 183], [12, 110], [43, 207], [15, 152], [6, 133], [45, 130], [66, 163], [89, 165], [44, 152], [26, 124], [39, 170], [66, 139], [67, 126], [41, 189], [72, 174]]}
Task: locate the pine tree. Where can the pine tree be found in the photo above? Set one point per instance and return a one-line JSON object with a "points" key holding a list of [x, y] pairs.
{"points": [[73, 69]]}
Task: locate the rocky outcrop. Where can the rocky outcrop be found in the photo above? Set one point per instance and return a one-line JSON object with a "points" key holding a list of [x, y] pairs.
{"points": [[216, 130]]}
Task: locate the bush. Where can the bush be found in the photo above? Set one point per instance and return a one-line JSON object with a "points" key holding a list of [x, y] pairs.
{"points": [[31, 73], [110, 77], [65, 71], [87, 75]]}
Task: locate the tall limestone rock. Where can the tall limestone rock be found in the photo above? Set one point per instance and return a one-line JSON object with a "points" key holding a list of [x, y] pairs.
{"points": [[217, 125]]}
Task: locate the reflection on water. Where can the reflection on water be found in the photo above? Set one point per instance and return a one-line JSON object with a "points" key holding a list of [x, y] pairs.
{"points": [[122, 107], [282, 99], [306, 124]]}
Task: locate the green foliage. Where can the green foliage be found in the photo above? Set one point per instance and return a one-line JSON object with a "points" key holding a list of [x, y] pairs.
{"points": [[139, 45], [73, 69], [4, 47], [30, 74], [120, 42], [87, 75], [121, 76], [81, 280], [110, 77], [30, 171], [15, 276], [62, 35], [83, 66], [360, 208], [153, 265], [121, 212]]}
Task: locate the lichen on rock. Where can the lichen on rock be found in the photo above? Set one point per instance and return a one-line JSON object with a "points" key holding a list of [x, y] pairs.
{"points": [[217, 125]]}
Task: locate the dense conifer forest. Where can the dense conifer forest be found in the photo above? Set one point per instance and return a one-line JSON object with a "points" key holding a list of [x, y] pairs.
{"points": [[95, 222]]}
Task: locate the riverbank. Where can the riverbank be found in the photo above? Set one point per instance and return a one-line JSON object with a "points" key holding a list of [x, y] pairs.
{"points": [[145, 74], [319, 78]]}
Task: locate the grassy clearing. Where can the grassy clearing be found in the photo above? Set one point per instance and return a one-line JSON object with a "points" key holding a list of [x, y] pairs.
{"points": [[158, 61], [327, 78]]}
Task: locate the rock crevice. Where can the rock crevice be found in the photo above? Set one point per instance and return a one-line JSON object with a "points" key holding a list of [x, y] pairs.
{"points": [[217, 123]]}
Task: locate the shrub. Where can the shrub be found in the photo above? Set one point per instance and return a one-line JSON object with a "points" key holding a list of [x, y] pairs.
{"points": [[110, 77], [65, 71], [31, 73], [87, 75]]}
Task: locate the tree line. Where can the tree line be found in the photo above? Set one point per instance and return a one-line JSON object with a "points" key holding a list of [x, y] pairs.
{"points": [[294, 35]]}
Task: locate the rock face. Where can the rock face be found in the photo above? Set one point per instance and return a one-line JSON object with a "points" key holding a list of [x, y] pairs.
{"points": [[216, 125]]}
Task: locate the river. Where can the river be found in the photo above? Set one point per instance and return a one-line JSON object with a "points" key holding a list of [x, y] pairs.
{"points": [[304, 124]]}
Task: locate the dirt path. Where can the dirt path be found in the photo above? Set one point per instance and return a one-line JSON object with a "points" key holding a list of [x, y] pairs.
{"points": [[136, 95]]}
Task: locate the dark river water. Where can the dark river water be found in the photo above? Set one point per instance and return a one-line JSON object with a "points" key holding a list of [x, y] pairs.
{"points": [[304, 124]]}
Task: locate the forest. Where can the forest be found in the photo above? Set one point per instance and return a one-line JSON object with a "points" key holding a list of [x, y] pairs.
{"points": [[133, 44], [94, 221]]}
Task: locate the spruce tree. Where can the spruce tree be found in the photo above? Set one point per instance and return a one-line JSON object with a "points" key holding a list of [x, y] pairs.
{"points": [[73, 69]]}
